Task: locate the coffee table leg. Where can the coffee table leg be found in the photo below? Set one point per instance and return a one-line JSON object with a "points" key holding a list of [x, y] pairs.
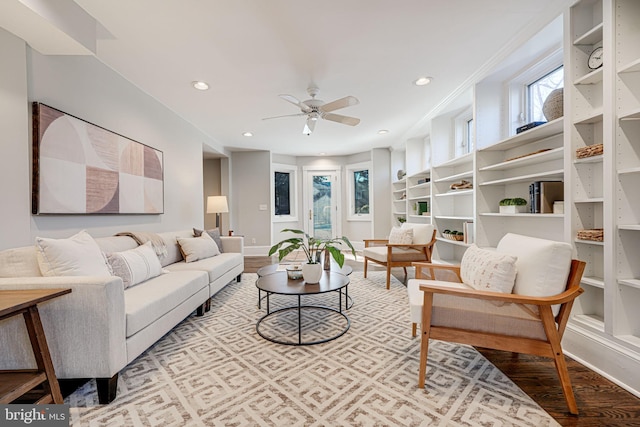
{"points": [[259, 299], [299, 322]]}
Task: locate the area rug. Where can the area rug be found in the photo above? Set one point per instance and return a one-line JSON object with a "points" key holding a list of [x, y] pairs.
{"points": [[216, 370]]}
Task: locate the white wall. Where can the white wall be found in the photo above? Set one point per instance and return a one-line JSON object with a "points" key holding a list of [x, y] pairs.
{"points": [[84, 87]]}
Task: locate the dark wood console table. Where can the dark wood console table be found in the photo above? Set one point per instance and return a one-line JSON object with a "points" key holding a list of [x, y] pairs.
{"points": [[16, 383]]}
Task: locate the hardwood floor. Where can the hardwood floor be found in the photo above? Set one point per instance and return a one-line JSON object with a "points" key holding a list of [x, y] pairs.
{"points": [[600, 402]]}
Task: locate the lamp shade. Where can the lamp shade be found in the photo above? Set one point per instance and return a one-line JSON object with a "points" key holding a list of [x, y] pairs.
{"points": [[217, 204]]}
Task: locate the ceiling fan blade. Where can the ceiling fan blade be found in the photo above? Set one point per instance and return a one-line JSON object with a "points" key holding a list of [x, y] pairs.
{"points": [[295, 101], [345, 120], [309, 126], [347, 101], [286, 115]]}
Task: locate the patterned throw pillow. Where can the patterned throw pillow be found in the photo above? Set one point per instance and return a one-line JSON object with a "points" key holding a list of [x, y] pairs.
{"points": [[196, 248], [399, 236], [488, 270], [214, 233], [135, 265]]}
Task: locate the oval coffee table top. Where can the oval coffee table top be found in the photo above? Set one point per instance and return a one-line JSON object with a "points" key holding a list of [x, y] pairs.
{"points": [[279, 283], [273, 268]]}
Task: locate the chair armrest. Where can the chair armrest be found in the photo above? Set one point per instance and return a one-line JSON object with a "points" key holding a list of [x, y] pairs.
{"points": [[561, 298], [367, 242], [420, 266]]}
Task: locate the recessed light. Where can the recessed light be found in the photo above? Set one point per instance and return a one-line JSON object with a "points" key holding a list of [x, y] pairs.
{"points": [[383, 131], [422, 81], [247, 134], [322, 154], [200, 85]]}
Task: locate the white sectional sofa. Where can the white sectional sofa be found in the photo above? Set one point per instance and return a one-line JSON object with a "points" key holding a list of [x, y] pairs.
{"points": [[100, 327]]}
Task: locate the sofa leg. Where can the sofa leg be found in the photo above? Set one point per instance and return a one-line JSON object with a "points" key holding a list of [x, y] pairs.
{"points": [[107, 389], [239, 278], [201, 309], [207, 305]]}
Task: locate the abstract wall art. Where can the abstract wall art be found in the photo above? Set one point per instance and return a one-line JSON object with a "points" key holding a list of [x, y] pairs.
{"points": [[82, 168]]}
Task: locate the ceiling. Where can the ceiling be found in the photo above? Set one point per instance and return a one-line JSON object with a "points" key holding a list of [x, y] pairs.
{"points": [[251, 51]]}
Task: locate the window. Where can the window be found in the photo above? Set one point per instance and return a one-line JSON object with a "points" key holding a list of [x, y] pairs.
{"points": [[359, 190], [284, 192], [282, 188], [539, 90], [464, 132], [470, 136]]}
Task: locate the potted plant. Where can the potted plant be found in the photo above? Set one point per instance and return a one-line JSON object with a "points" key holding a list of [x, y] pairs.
{"points": [[513, 205], [313, 248]]}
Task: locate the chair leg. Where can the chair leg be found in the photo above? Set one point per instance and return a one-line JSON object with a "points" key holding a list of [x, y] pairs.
{"points": [[414, 329], [425, 330], [365, 268], [388, 276], [405, 275], [558, 357]]}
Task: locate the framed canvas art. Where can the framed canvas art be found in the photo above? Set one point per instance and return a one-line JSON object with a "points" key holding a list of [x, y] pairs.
{"points": [[82, 168]]}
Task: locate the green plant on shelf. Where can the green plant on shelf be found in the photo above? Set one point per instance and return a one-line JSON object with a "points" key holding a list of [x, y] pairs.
{"points": [[516, 201], [402, 219]]}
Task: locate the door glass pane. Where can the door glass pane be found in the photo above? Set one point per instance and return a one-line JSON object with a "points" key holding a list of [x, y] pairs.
{"points": [[361, 192], [282, 201], [322, 207]]}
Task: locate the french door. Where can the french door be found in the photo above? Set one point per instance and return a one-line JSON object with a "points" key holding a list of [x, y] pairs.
{"points": [[321, 197]]}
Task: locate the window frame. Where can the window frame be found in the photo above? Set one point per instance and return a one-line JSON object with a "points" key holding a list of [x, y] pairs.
{"points": [[292, 170], [464, 139], [351, 201]]}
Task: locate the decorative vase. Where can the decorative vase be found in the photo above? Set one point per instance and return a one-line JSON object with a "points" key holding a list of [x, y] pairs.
{"points": [[513, 209], [553, 105], [311, 273]]}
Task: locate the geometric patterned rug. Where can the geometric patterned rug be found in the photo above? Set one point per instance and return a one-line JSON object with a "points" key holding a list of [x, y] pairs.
{"points": [[216, 370]]}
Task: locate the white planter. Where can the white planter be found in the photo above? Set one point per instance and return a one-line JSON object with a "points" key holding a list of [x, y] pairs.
{"points": [[513, 209], [312, 273]]}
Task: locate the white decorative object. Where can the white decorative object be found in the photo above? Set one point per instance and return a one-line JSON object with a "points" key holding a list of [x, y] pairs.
{"points": [[312, 272], [512, 209], [558, 207]]}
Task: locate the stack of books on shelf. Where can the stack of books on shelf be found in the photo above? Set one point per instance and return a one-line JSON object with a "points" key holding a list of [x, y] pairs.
{"points": [[542, 194]]}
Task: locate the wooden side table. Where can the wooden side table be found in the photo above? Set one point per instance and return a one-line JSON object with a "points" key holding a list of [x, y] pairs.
{"points": [[16, 383]]}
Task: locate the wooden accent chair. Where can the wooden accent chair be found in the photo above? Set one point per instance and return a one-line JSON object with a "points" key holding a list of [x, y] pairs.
{"points": [[531, 319], [391, 254]]}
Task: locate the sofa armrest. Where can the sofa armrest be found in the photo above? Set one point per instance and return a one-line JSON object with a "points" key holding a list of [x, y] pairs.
{"points": [[233, 244], [85, 330]]}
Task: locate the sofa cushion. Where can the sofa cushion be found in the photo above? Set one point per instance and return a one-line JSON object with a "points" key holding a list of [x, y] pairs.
{"points": [[19, 262], [215, 266], [422, 233], [116, 243], [379, 253], [150, 300], [195, 248], [215, 235], [399, 236], [173, 249], [488, 270], [135, 265], [78, 255]]}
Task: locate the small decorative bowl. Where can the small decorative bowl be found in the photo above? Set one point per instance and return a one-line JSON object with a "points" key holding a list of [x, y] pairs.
{"points": [[294, 272]]}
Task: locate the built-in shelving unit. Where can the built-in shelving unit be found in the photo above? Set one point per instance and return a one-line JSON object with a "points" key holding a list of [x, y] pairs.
{"points": [[452, 208], [419, 192], [399, 201]]}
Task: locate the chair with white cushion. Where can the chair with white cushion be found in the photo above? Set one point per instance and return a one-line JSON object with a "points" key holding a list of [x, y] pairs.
{"points": [[515, 298], [405, 245]]}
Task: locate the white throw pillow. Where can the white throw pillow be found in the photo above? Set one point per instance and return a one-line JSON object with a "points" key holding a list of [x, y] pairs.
{"points": [[399, 236], [422, 233], [197, 248], [487, 270], [135, 265], [79, 255]]}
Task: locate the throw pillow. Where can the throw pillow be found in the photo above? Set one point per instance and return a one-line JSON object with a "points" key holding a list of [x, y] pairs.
{"points": [[135, 265], [399, 236], [488, 270], [214, 233], [196, 248], [79, 255]]}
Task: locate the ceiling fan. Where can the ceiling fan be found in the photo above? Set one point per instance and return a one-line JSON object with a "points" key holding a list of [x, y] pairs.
{"points": [[316, 109]]}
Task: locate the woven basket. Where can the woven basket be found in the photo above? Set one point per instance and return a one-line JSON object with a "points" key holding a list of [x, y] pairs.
{"points": [[589, 151], [455, 237], [553, 105], [596, 234]]}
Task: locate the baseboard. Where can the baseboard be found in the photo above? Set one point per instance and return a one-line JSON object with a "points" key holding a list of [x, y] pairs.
{"points": [[604, 356]]}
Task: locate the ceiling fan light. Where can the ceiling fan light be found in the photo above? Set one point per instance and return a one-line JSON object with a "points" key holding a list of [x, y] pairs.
{"points": [[247, 134], [383, 131], [422, 81], [200, 85]]}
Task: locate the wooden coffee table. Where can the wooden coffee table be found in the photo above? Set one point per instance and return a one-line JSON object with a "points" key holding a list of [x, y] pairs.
{"points": [[278, 283]]}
